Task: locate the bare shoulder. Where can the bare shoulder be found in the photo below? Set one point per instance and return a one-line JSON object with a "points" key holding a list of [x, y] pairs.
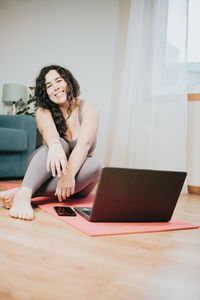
{"points": [[90, 108], [90, 119], [42, 112]]}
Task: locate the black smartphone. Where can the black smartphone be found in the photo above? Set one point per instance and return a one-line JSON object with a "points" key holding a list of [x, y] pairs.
{"points": [[64, 211]]}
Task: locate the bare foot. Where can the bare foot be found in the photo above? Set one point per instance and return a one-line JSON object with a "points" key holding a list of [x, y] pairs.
{"points": [[21, 207], [7, 197]]}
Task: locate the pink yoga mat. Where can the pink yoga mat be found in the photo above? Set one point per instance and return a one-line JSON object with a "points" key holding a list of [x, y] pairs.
{"points": [[102, 228]]}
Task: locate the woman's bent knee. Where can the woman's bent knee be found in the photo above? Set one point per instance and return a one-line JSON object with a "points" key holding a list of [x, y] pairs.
{"points": [[91, 168], [41, 148]]}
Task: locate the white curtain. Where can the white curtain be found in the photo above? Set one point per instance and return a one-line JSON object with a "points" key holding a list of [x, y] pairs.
{"points": [[152, 113]]}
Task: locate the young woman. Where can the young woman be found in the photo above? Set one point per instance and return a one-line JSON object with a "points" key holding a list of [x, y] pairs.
{"points": [[64, 166]]}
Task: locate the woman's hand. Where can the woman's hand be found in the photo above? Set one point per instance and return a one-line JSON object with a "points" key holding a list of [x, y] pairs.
{"points": [[56, 160], [65, 187]]}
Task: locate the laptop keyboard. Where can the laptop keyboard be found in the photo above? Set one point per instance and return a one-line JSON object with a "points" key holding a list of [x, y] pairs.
{"points": [[87, 211]]}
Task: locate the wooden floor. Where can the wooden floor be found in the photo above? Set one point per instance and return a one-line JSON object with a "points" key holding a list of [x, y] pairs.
{"points": [[47, 259]]}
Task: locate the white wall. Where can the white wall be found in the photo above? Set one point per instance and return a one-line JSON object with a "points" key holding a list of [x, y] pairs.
{"points": [[78, 34]]}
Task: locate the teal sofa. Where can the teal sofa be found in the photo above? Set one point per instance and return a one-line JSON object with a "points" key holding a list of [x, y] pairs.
{"points": [[17, 142]]}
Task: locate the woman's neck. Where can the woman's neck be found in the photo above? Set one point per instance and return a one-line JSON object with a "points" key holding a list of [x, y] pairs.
{"points": [[64, 108]]}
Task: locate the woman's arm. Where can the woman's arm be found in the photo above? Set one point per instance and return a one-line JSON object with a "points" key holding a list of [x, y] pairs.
{"points": [[88, 132], [56, 155], [87, 135], [46, 126]]}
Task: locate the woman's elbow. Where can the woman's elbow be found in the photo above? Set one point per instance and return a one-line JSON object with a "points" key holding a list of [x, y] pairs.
{"points": [[85, 145]]}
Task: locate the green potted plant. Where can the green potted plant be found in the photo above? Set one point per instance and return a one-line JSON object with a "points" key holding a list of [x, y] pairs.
{"points": [[29, 108]]}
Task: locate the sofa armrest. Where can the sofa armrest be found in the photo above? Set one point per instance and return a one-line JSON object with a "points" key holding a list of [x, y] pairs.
{"points": [[13, 140], [28, 124], [15, 121]]}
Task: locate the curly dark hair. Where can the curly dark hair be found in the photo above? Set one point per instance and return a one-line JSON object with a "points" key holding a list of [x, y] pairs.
{"points": [[43, 101]]}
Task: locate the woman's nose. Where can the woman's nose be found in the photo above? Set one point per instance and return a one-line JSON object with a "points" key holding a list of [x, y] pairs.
{"points": [[55, 86]]}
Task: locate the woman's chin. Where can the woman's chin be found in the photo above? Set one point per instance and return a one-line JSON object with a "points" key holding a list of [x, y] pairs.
{"points": [[60, 101]]}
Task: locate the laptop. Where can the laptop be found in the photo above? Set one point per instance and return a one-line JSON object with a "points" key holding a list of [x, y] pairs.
{"points": [[134, 195]]}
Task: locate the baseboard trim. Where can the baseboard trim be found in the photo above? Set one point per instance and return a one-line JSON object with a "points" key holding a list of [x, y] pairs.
{"points": [[192, 189], [193, 97]]}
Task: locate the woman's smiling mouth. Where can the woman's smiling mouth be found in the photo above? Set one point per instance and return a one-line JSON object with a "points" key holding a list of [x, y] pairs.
{"points": [[59, 93]]}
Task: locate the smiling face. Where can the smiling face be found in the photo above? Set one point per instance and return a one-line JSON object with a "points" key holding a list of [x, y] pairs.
{"points": [[56, 87]]}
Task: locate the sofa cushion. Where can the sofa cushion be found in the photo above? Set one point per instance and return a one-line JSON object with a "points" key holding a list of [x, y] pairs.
{"points": [[13, 140]]}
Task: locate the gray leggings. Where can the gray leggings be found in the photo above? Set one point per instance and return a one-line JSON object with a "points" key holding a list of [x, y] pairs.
{"points": [[43, 184]]}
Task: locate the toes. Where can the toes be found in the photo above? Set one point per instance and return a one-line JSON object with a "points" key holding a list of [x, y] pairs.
{"points": [[26, 216], [22, 215], [13, 213], [7, 203], [2, 195], [29, 214], [6, 200], [29, 217]]}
